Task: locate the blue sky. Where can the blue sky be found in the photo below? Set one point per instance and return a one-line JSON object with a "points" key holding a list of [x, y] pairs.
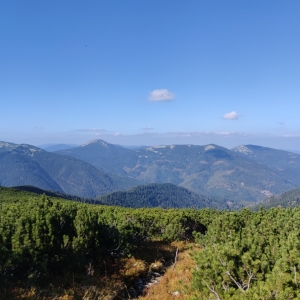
{"points": [[153, 72]]}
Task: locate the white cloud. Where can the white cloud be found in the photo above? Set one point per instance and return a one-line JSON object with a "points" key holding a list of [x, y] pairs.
{"points": [[292, 135], [161, 95], [231, 116], [204, 133], [225, 133]]}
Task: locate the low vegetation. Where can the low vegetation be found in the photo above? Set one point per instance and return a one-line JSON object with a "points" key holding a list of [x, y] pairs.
{"points": [[59, 249]]}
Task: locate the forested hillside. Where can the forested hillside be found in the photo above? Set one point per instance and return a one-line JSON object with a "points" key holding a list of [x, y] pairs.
{"points": [[165, 195], [287, 199]]}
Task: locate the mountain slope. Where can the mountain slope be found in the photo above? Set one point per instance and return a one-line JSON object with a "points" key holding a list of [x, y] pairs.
{"points": [[103, 155], [284, 161], [210, 170], [287, 199], [164, 195], [29, 165]]}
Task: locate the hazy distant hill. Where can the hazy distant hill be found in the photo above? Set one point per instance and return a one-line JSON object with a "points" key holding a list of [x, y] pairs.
{"points": [[103, 155], [164, 195], [210, 170], [281, 160], [29, 165], [287, 199], [293, 151]]}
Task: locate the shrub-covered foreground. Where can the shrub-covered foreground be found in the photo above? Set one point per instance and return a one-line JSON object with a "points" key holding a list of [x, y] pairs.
{"points": [[242, 255], [40, 237], [250, 256]]}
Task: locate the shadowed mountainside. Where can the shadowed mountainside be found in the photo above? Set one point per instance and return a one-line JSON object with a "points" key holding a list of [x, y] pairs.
{"points": [[29, 165]]}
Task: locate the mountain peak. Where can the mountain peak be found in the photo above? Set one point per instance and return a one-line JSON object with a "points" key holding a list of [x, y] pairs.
{"points": [[100, 142], [5, 146], [208, 147], [242, 149]]}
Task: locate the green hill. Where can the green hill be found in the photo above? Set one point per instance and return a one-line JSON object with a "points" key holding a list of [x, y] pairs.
{"points": [[164, 195], [152, 195], [17, 193]]}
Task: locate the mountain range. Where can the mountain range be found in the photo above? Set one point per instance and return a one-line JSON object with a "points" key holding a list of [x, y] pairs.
{"points": [[28, 165], [244, 174], [210, 170]]}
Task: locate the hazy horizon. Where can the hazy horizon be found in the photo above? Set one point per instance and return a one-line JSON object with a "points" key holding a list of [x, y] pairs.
{"points": [[72, 145]]}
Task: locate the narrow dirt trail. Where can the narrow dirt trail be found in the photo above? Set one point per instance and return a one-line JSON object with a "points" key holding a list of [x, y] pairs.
{"points": [[175, 283]]}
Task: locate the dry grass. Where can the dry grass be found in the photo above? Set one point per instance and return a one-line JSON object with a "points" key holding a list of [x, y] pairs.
{"points": [[132, 268], [97, 288], [177, 280]]}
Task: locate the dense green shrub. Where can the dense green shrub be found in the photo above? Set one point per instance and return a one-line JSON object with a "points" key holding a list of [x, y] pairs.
{"points": [[40, 236], [250, 256]]}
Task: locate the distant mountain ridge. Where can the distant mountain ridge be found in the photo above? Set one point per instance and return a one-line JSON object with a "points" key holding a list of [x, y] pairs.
{"points": [[100, 154], [244, 174], [279, 159], [211, 169], [28, 165], [57, 147]]}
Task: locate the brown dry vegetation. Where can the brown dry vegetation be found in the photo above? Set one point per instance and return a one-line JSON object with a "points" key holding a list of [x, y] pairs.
{"points": [[112, 280], [176, 283]]}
